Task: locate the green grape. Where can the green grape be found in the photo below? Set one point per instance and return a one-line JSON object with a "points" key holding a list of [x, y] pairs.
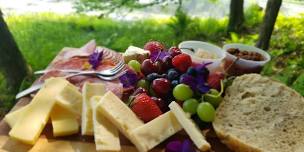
{"points": [[190, 105], [135, 65], [214, 97], [182, 92], [206, 112], [143, 83]]}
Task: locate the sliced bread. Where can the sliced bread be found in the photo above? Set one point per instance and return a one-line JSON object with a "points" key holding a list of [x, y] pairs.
{"points": [[260, 115]]}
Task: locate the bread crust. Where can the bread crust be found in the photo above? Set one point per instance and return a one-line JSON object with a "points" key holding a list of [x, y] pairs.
{"points": [[278, 95]]}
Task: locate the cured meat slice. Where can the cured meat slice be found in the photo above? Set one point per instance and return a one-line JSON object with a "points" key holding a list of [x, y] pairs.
{"points": [[69, 59]]}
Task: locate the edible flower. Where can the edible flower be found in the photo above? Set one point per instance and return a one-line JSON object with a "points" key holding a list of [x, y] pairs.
{"points": [[95, 58], [196, 78], [174, 146], [187, 146], [178, 146], [158, 55], [128, 79]]}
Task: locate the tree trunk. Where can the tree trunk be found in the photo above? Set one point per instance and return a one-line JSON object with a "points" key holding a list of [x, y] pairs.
{"points": [[236, 16], [12, 63], [270, 17]]}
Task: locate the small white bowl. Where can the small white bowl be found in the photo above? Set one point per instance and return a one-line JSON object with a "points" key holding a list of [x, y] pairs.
{"points": [[196, 45], [242, 65]]}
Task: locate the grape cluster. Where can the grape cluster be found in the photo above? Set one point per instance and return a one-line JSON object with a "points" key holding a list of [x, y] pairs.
{"points": [[170, 75]]}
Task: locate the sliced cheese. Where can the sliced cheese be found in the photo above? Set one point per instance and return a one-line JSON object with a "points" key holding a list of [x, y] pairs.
{"points": [[71, 99], [30, 125], [89, 90], [156, 131], [106, 135], [64, 122], [120, 115], [12, 117], [135, 53], [192, 130]]}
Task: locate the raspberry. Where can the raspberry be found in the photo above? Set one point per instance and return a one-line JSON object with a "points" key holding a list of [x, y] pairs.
{"points": [[182, 62], [154, 46]]}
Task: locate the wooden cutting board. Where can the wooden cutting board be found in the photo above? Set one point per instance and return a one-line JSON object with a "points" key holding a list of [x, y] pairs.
{"points": [[78, 143]]}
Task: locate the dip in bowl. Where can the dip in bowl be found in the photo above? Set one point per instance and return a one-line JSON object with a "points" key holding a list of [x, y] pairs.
{"points": [[203, 52], [242, 59]]}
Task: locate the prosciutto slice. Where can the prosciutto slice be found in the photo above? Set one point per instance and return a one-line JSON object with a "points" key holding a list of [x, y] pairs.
{"points": [[77, 59]]}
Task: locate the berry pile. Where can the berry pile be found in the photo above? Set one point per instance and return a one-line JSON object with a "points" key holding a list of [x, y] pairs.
{"points": [[170, 75]]}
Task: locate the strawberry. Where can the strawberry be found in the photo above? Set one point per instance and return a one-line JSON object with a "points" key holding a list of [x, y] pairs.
{"points": [[182, 62], [145, 108], [154, 46], [214, 80]]}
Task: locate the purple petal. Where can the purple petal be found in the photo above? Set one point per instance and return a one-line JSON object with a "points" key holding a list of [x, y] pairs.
{"points": [[158, 55], [163, 54], [203, 88], [202, 66], [95, 58], [202, 71], [128, 79], [188, 80], [174, 146], [187, 146]]}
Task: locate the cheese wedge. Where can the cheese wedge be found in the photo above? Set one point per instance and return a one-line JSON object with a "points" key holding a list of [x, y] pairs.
{"points": [[89, 90], [64, 122], [30, 125], [135, 53], [192, 130], [106, 135], [120, 115], [156, 131], [71, 99]]}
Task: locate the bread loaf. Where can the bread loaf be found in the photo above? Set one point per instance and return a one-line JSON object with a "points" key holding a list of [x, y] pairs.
{"points": [[260, 115]]}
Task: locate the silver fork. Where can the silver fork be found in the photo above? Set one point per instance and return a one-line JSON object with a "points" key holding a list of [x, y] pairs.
{"points": [[108, 72], [36, 87]]}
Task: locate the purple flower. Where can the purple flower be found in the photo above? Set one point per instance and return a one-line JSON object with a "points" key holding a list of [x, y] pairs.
{"points": [[128, 79], [187, 146], [158, 55], [174, 146], [95, 58], [188, 80], [202, 88]]}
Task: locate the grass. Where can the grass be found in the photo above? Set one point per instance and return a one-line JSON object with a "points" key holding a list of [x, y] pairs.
{"points": [[41, 36]]}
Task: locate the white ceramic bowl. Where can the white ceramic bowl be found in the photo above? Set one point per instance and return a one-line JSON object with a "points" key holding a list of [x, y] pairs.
{"points": [[196, 45], [242, 65]]}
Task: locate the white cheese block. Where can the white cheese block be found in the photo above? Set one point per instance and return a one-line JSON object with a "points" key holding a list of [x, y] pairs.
{"points": [[64, 122], [30, 125], [71, 99], [120, 115], [192, 130], [12, 117], [89, 90], [106, 135], [156, 131], [135, 53]]}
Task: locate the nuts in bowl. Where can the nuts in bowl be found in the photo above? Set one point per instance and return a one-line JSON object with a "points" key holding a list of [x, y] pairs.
{"points": [[241, 59]]}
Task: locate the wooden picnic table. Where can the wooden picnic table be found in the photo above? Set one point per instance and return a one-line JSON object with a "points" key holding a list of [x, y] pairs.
{"points": [[77, 142]]}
